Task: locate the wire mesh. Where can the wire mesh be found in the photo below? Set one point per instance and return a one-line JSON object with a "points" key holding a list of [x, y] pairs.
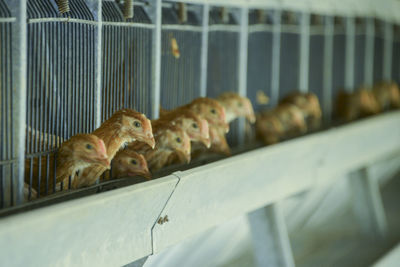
{"points": [[290, 53], [339, 53], [222, 65], [126, 60], [316, 60], [396, 54], [259, 70], [359, 55], [61, 84], [8, 158], [180, 58], [379, 40]]}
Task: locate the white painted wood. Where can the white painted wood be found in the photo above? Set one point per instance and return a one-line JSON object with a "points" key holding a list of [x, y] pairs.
{"points": [[360, 143], [271, 242], [252, 180], [108, 229], [391, 259], [367, 204]]}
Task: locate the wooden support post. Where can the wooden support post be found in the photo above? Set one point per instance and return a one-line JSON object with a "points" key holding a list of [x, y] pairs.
{"points": [[367, 204], [270, 237]]}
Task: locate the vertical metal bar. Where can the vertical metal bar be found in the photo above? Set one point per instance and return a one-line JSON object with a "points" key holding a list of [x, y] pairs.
{"points": [[388, 52], [156, 58], [204, 50], [369, 52], [350, 46], [270, 237], [367, 204], [19, 57], [328, 68], [96, 6], [276, 52], [242, 66], [304, 51]]}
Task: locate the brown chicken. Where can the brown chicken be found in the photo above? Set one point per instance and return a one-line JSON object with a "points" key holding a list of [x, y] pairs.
{"points": [[387, 94], [75, 154], [309, 105], [128, 163], [169, 139], [351, 106], [207, 108], [291, 118], [236, 106], [124, 126], [269, 128]]}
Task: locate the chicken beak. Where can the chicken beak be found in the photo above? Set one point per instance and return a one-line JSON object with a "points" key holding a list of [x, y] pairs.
{"points": [[251, 118], [226, 127], [150, 141], [146, 174], [206, 142]]}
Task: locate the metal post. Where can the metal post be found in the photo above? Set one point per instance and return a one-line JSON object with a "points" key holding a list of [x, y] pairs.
{"points": [[204, 50], [19, 74], [304, 52], [242, 71], [367, 204], [270, 237], [349, 54], [155, 15], [96, 8], [388, 52], [328, 68], [369, 52], [276, 53]]}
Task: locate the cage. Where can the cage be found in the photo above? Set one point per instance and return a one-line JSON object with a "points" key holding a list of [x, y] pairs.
{"points": [[64, 73]]}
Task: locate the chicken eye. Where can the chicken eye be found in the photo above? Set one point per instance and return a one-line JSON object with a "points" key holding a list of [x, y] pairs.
{"points": [[134, 162], [178, 139], [213, 111], [194, 125], [137, 124], [89, 146]]}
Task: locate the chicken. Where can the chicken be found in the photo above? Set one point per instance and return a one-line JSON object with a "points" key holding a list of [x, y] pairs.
{"points": [[75, 154], [291, 118], [236, 106], [124, 126], [169, 139], [196, 128], [387, 94], [351, 106], [128, 163], [309, 105], [269, 128], [207, 108]]}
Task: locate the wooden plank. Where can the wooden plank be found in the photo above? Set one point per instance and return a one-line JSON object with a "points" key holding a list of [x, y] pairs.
{"points": [[108, 229]]}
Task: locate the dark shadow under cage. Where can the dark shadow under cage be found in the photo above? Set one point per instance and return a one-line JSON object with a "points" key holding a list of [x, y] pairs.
{"points": [[180, 57], [126, 60]]}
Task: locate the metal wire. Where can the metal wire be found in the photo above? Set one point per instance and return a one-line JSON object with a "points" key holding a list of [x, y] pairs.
{"points": [[396, 54], [60, 83], [259, 70], [126, 62], [180, 70], [379, 40]]}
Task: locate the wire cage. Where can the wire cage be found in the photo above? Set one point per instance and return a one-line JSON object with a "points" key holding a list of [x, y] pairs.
{"points": [[8, 157], [61, 83], [181, 39], [85, 64], [126, 60], [261, 81]]}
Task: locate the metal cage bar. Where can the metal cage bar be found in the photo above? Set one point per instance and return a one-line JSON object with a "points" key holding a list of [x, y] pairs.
{"points": [[349, 53]]}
